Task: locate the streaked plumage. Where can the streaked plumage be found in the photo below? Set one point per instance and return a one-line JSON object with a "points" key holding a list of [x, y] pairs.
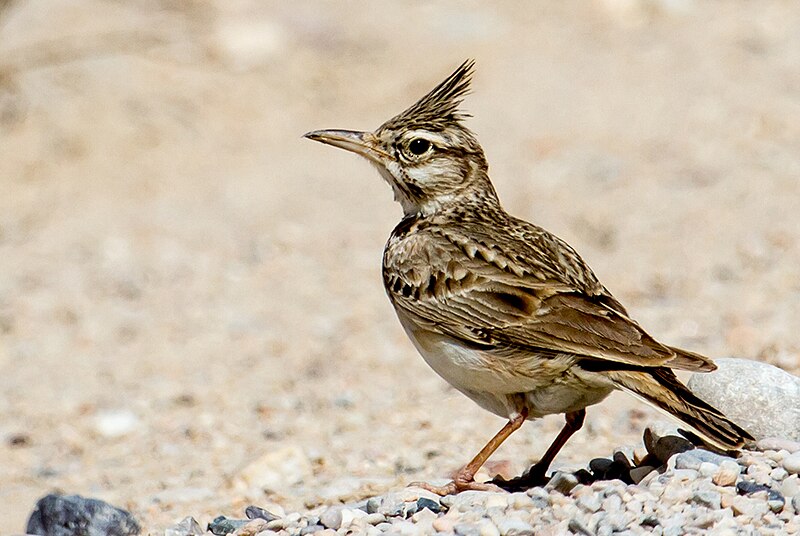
{"points": [[506, 312]]}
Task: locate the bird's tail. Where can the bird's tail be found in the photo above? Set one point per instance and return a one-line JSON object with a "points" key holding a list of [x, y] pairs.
{"points": [[660, 387]]}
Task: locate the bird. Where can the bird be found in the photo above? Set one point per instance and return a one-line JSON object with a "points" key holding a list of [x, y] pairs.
{"points": [[504, 311]]}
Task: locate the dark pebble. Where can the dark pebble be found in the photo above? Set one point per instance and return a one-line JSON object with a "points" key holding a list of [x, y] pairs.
{"points": [[668, 446], [431, 505], [649, 521], [256, 512], [599, 467], [223, 525], [619, 471], [746, 487], [69, 515]]}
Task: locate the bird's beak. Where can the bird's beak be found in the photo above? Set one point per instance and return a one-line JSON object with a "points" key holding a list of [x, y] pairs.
{"points": [[363, 143]]}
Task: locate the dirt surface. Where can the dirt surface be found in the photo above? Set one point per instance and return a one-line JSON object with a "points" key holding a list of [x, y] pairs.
{"points": [[190, 292]]}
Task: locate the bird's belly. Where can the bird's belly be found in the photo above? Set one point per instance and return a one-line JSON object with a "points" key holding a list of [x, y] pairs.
{"points": [[502, 385]]}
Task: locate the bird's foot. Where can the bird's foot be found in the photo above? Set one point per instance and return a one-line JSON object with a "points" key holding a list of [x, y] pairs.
{"points": [[457, 486], [533, 477]]}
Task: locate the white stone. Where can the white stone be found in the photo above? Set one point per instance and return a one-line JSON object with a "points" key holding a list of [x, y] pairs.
{"points": [[761, 398], [792, 463], [115, 423]]}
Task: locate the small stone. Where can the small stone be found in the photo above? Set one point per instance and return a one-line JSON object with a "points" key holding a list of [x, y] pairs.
{"points": [[748, 507], [796, 503], [761, 398], [332, 518], [639, 473], [693, 458], [188, 526], [778, 443], [589, 503], [707, 469], [222, 525], [790, 486], [600, 466], [374, 519], [514, 527], [487, 528], [256, 512], [727, 474], [311, 529], [709, 499], [778, 474], [520, 501], [496, 500], [466, 529], [373, 504], [668, 446], [251, 528], [115, 423], [561, 482], [64, 515], [433, 506], [443, 524], [792, 463]]}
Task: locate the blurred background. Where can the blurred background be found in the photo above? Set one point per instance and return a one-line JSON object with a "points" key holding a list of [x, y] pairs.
{"points": [[191, 310]]}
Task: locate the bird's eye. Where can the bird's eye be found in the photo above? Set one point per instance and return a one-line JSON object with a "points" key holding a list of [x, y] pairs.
{"points": [[419, 146]]}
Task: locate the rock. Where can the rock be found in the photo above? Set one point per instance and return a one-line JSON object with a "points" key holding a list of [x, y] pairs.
{"points": [[693, 458], [67, 515], [188, 526], [638, 473], [561, 482], [792, 463], [727, 474], [222, 525], [251, 528], [761, 398], [790, 486], [277, 470], [115, 423], [256, 512], [663, 448], [466, 529], [589, 503], [514, 527], [778, 443], [707, 498], [332, 518], [433, 506]]}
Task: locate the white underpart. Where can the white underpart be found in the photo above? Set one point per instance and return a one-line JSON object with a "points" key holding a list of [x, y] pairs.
{"points": [[499, 391]]}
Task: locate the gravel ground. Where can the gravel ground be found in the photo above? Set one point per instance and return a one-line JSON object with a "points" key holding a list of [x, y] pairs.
{"points": [[191, 311]]}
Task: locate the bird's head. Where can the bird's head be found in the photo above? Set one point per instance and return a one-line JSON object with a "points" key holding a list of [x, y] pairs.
{"points": [[425, 153]]}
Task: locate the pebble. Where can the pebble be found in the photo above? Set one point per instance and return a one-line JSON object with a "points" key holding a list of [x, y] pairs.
{"points": [[792, 463], [188, 526], [778, 443], [696, 492], [515, 527], [562, 482], [65, 515], [727, 474], [739, 385]]}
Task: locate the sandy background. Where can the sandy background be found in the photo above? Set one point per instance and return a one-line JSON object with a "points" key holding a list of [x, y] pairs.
{"points": [[187, 286]]}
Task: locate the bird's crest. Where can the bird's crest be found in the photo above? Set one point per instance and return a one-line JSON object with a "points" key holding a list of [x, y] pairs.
{"points": [[440, 107]]}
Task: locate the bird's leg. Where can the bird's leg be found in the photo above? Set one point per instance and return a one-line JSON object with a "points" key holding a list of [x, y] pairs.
{"points": [[535, 476], [463, 480]]}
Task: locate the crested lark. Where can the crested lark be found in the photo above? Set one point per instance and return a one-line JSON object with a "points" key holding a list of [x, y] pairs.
{"points": [[506, 312]]}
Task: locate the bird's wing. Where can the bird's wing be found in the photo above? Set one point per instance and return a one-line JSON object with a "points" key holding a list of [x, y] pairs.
{"points": [[540, 298]]}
